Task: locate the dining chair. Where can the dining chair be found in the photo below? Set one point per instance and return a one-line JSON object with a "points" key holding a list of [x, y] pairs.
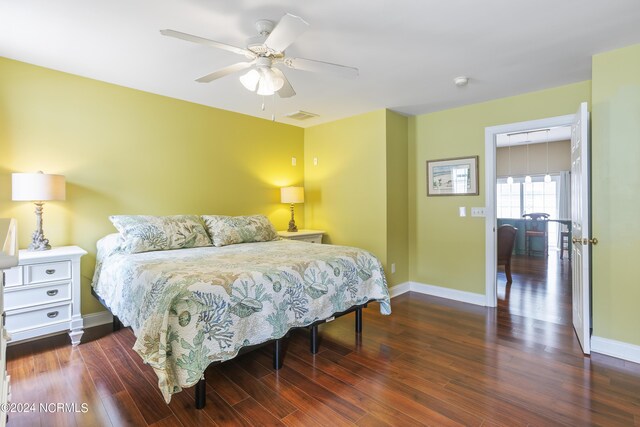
{"points": [[506, 241], [536, 228]]}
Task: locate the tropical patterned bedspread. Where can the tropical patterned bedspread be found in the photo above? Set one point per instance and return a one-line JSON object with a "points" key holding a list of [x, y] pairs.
{"points": [[191, 307]]}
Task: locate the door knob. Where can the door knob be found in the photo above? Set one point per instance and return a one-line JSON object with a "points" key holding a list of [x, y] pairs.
{"points": [[576, 240], [593, 241]]}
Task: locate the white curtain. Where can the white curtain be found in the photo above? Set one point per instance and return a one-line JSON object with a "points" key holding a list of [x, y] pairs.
{"points": [[564, 198]]}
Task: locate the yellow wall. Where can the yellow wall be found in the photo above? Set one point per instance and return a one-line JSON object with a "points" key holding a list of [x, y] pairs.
{"points": [[615, 203], [129, 152], [358, 190], [397, 198], [444, 249], [345, 192]]}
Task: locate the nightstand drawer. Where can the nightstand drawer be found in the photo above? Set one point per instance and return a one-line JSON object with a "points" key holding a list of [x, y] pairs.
{"points": [[29, 319], [311, 239], [20, 298], [13, 277], [47, 272]]}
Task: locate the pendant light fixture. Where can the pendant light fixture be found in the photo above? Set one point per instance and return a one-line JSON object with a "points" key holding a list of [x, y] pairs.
{"points": [[527, 179], [547, 177], [509, 178]]}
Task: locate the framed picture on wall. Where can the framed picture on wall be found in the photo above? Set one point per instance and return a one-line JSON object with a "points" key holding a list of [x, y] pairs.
{"points": [[453, 177]]}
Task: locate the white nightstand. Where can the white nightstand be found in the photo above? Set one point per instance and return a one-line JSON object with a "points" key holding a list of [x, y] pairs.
{"points": [[311, 236], [42, 294]]}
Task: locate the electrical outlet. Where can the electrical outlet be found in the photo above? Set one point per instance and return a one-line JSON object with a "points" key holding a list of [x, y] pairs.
{"points": [[315, 161], [478, 212], [393, 268], [293, 161]]}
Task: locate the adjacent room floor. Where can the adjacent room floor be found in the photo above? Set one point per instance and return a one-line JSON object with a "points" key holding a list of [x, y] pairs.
{"points": [[433, 361]]}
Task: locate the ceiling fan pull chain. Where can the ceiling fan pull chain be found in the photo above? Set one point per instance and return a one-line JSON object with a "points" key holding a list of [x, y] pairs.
{"points": [[273, 114]]}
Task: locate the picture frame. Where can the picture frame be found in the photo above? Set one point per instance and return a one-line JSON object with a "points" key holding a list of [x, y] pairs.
{"points": [[457, 176]]}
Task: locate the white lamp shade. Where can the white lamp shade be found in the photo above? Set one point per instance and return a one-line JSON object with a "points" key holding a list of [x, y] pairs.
{"points": [[250, 80], [269, 83], [292, 194], [37, 187]]}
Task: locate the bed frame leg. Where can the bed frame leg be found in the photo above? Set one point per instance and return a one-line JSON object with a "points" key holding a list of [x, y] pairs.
{"points": [[201, 393], [359, 320], [277, 354], [314, 339], [116, 324]]}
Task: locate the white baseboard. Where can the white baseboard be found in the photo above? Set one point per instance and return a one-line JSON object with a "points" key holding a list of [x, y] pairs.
{"points": [[97, 319], [448, 293], [619, 349], [400, 289], [438, 291]]}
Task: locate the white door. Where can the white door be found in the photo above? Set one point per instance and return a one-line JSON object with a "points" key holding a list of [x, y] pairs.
{"points": [[580, 219]]}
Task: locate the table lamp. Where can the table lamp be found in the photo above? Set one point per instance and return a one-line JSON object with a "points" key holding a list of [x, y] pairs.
{"points": [[292, 195], [38, 188]]}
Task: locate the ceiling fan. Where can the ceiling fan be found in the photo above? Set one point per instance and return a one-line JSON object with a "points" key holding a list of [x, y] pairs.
{"points": [[264, 51]]}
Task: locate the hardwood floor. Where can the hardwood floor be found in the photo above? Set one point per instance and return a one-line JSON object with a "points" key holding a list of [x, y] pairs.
{"points": [[432, 362]]}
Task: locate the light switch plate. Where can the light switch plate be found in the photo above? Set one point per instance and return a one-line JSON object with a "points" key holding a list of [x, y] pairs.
{"points": [[478, 212], [462, 211], [293, 161]]}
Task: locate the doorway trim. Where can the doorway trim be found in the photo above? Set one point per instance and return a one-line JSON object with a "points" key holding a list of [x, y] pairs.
{"points": [[490, 134]]}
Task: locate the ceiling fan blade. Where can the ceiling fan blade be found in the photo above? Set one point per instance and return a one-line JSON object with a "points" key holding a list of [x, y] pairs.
{"points": [[287, 90], [224, 71], [201, 40], [320, 67], [287, 30]]}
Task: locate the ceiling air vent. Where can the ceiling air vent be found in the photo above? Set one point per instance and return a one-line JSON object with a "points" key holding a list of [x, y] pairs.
{"points": [[301, 115]]}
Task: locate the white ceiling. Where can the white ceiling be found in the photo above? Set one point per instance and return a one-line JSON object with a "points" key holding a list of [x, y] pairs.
{"points": [[408, 51]]}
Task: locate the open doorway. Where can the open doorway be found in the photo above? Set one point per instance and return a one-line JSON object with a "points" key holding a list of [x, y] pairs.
{"points": [[533, 204], [581, 238]]}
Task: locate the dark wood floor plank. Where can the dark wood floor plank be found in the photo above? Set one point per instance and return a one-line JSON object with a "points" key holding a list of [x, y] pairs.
{"points": [[81, 389], [301, 419], [257, 390], [183, 407], [331, 398], [222, 413], [147, 397], [432, 362], [256, 413], [223, 386], [308, 407], [122, 410], [50, 377], [24, 383], [381, 408], [170, 421], [104, 377]]}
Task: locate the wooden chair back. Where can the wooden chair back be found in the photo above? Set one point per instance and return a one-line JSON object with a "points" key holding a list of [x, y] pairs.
{"points": [[506, 240]]}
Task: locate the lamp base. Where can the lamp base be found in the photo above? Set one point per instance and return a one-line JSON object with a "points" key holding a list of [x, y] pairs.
{"points": [[39, 242], [292, 224]]}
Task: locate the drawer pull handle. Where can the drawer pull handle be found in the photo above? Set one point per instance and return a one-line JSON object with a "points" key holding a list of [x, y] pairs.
{"points": [[50, 271], [52, 314], [52, 292]]}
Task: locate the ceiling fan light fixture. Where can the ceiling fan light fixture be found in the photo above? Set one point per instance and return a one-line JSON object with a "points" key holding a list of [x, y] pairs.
{"points": [[269, 82], [250, 80]]}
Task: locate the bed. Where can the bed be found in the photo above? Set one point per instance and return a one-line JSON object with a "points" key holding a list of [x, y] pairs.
{"points": [[192, 307]]}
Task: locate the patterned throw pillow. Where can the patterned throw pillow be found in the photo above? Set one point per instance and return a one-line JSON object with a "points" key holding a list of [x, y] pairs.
{"points": [[144, 233], [229, 230]]}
